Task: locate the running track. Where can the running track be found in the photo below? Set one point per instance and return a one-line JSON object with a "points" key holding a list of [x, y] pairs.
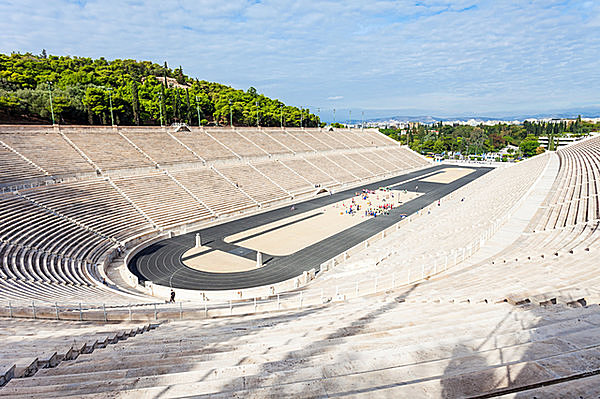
{"points": [[161, 262]]}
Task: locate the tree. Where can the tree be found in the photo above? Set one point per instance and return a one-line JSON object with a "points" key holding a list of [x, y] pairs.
{"points": [[529, 145], [177, 106], [163, 104], [135, 102], [427, 146], [438, 146], [476, 139], [165, 74], [141, 93], [539, 150], [97, 101], [187, 97], [180, 78], [496, 141], [578, 124]]}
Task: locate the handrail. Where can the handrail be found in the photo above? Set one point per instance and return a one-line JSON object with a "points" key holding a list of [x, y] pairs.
{"points": [[270, 301]]}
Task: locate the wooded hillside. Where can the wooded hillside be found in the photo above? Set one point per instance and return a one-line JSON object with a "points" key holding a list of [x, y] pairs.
{"points": [[141, 93]]}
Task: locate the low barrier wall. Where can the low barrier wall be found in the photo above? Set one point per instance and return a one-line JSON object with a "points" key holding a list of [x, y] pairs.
{"points": [[286, 295]]}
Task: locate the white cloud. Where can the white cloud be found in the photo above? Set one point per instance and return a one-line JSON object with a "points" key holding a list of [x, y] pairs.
{"points": [[443, 55]]}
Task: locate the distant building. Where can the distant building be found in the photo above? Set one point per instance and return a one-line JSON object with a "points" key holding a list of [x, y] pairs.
{"points": [[171, 82], [559, 141], [508, 149]]}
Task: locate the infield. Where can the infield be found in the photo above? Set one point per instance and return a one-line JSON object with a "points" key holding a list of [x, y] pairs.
{"points": [[287, 236], [215, 261], [448, 175]]}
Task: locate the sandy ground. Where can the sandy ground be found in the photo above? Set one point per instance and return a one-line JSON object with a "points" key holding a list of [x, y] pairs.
{"points": [[217, 261], [280, 240], [449, 175]]}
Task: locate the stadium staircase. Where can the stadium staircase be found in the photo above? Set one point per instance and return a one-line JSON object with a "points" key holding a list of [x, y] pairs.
{"points": [[31, 346]]}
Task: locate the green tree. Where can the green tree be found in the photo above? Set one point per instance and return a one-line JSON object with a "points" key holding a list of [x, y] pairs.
{"points": [[138, 96], [438, 146], [476, 140], [529, 145], [135, 102], [96, 99]]}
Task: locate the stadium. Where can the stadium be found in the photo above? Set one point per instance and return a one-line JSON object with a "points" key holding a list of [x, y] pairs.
{"points": [[307, 262]]}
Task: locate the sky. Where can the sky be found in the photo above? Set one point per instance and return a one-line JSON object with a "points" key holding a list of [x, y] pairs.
{"points": [[443, 58]]}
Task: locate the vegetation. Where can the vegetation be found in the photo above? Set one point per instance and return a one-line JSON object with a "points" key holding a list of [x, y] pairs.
{"points": [[529, 146], [141, 93], [475, 140], [577, 127]]}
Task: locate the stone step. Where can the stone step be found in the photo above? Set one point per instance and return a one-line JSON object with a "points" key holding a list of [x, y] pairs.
{"points": [[106, 359], [580, 338], [7, 372], [168, 352], [386, 382], [69, 347], [344, 361], [23, 366], [29, 359], [585, 387], [275, 328]]}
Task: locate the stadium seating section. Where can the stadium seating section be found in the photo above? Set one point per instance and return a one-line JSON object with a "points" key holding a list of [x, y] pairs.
{"points": [[74, 195], [520, 322]]}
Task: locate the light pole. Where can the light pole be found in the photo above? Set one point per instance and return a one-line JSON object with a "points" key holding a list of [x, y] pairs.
{"points": [[257, 114], [112, 119], [51, 106], [230, 115], [349, 116], [160, 109], [301, 121], [281, 115], [198, 110], [362, 121], [334, 115], [319, 117]]}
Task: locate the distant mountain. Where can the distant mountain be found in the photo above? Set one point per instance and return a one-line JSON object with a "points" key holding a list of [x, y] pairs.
{"points": [[420, 119], [433, 119], [586, 112]]}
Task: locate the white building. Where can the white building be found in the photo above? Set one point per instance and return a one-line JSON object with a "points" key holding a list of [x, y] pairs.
{"points": [[558, 141]]}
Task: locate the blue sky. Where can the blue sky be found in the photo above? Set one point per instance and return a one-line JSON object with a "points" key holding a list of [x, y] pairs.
{"points": [[418, 57]]}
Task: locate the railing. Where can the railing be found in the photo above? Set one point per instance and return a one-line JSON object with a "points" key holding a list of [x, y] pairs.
{"points": [[271, 301], [207, 309]]}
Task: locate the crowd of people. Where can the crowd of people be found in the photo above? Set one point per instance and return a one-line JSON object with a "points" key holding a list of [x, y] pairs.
{"points": [[371, 203]]}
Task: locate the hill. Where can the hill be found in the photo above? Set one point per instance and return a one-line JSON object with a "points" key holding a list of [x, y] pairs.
{"points": [[141, 92]]}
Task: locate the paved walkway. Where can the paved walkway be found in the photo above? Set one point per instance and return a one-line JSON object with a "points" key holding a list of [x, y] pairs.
{"points": [[521, 218]]}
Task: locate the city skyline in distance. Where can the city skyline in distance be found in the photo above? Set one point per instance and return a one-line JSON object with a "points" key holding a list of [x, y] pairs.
{"points": [[343, 115]]}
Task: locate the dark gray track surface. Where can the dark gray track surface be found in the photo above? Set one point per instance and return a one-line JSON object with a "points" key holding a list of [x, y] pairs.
{"points": [[162, 262]]}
